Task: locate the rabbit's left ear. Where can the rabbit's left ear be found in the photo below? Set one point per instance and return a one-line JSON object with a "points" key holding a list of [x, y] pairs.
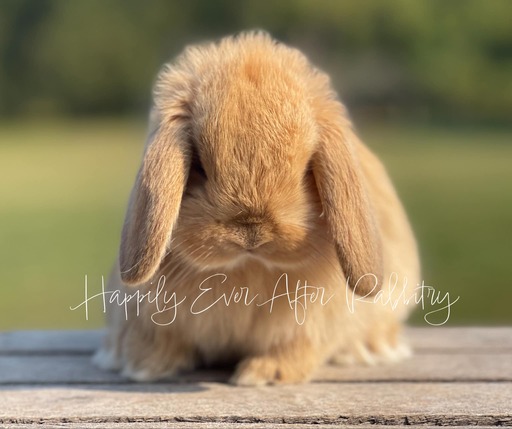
{"points": [[345, 201]]}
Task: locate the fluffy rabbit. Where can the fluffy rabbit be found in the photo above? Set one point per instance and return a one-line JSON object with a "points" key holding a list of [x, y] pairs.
{"points": [[256, 222]]}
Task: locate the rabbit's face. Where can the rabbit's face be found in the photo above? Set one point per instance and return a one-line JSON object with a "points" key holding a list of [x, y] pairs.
{"points": [[250, 193], [225, 174]]}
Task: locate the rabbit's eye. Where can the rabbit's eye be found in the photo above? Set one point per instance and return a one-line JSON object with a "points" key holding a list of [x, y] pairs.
{"points": [[309, 169], [196, 165]]}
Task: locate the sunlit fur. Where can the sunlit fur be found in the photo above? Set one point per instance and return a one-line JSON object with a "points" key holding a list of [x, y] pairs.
{"points": [[252, 169]]}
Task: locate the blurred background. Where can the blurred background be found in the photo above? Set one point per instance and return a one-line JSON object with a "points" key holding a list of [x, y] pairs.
{"points": [[428, 83]]}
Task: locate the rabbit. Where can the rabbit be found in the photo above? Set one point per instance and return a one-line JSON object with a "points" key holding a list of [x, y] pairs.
{"points": [[254, 185]]}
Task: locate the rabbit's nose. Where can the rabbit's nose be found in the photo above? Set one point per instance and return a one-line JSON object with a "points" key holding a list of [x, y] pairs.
{"points": [[251, 235], [253, 241]]}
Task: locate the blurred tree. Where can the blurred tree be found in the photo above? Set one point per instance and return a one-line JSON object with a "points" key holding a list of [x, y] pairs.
{"points": [[451, 58]]}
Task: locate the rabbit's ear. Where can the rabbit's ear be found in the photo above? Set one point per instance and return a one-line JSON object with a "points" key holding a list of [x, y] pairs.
{"points": [[155, 202], [345, 201]]}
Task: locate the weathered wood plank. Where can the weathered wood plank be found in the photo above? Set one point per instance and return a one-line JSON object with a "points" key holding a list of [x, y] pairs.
{"points": [[321, 403], [78, 369], [459, 376], [461, 339], [215, 425], [430, 339], [50, 342]]}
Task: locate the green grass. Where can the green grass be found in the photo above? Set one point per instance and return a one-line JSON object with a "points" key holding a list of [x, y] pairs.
{"points": [[64, 188], [457, 188]]}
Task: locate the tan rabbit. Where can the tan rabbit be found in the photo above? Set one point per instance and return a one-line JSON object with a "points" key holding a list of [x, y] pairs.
{"points": [[255, 216]]}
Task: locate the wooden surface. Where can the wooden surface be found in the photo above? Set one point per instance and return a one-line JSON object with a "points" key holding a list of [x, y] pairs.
{"points": [[457, 377]]}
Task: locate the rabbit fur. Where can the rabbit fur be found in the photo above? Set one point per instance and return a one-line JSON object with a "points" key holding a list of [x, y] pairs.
{"points": [[253, 180]]}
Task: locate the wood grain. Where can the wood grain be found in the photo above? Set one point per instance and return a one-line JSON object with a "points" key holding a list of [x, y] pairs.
{"points": [[457, 377]]}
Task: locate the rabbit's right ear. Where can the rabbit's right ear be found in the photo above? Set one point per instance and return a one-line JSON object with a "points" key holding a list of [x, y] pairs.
{"points": [[155, 201]]}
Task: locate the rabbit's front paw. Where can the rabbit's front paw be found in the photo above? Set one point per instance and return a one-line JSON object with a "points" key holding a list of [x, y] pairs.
{"points": [[106, 358], [156, 366], [263, 370], [153, 369], [363, 353], [383, 344], [293, 363]]}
